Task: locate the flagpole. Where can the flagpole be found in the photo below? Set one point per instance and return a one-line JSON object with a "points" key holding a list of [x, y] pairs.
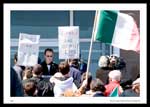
{"points": [[90, 50]]}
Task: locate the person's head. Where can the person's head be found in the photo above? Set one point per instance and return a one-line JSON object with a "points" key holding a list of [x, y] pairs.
{"points": [[82, 66], [103, 62], [27, 73], [113, 58], [126, 83], [64, 67], [114, 75], [97, 85], [74, 63], [30, 88], [37, 70], [136, 86], [121, 63], [113, 61], [48, 55]]}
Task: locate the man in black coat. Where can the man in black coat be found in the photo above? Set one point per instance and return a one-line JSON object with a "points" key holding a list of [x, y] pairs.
{"points": [[49, 68]]}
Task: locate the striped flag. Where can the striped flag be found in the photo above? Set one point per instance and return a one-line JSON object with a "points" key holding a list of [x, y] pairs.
{"points": [[118, 29], [114, 93]]}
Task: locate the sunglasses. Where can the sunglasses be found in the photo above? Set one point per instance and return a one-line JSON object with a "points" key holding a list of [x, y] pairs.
{"points": [[48, 56]]}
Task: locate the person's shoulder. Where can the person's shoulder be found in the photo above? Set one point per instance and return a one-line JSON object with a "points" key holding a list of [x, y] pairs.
{"points": [[128, 92], [41, 82], [43, 63], [24, 81], [103, 69], [98, 94], [74, 69], [37, 80], [55, 64], [27, 80]]}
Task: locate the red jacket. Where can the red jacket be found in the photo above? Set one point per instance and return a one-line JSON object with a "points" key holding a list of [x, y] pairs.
{"points": [[109, 87]]}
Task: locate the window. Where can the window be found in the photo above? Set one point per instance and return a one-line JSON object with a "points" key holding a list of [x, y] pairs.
{"points": [[45, 24]]}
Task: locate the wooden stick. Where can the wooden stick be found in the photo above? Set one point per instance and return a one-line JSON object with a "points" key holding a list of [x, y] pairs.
{"points": [[92, 38]]}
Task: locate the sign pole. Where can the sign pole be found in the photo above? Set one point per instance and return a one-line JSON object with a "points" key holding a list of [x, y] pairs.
{"points": [[90, 50]]}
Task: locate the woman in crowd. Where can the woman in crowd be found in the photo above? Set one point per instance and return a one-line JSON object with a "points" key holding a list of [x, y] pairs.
{"points": [[62, 80]]}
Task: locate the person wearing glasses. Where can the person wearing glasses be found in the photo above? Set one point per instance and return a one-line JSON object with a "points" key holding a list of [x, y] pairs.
{"points": [[49, 67]]}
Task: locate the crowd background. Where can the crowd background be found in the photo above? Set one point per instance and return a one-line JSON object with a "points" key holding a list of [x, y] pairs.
{"points": [[68, 78]]}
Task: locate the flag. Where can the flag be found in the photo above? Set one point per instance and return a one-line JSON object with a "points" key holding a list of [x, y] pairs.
{"points": [[114, 93], [117, 29]]}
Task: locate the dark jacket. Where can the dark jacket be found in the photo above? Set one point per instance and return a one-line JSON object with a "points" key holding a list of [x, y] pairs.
{"points": [[44, 88], [16, 85], [19, 71], [76, 75], [53, 68], [102, 74], [98, 94], [129, 93]]}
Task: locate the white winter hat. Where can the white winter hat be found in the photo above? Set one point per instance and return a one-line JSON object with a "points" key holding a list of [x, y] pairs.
{"points": [[103, 61]]}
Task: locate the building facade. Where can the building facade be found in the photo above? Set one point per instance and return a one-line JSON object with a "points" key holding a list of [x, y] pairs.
{"points": [[45, 24]]}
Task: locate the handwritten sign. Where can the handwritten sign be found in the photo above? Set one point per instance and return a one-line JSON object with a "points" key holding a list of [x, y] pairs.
{"points": [[28, 49], [68, 39]]}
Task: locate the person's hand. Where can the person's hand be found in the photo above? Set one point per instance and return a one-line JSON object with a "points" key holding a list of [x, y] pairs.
{"points": [[81, 90], [84, 83]]}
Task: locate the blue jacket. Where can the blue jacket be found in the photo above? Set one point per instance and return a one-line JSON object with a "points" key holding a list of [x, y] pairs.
{"points": [[98, 94], [129, 93], [76, 75]]}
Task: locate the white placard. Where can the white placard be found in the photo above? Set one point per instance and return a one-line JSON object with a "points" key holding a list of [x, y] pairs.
{"points": [[68, 42], [28, 49]]}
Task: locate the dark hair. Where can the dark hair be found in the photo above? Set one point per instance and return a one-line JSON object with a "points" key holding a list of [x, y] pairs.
{"points": [[16, 56], [64, 67], [48, 49], [37, 69], [120, 63], [97, 85], [74, 63], [28, 72], [30, 87], [126, 84]]}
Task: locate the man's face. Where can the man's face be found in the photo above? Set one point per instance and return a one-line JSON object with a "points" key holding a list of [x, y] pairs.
{"points": [[113, 59], [49, 57]]}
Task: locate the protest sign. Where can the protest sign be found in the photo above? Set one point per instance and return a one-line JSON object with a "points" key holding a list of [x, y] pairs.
{"points": [[28, 49], [68, 39]]}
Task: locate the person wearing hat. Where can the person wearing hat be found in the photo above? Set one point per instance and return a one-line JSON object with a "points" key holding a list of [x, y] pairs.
{"points": [[103, 70]]}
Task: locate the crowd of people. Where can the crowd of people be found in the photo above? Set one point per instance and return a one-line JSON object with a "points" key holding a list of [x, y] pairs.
{"points": [[67, 79]]}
